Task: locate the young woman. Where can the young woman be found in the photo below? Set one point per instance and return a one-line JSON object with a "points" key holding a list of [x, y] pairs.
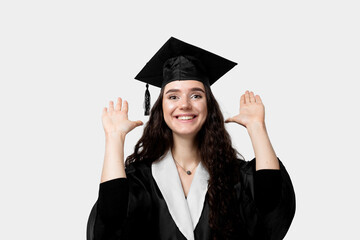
{"points": [[184, 179]]}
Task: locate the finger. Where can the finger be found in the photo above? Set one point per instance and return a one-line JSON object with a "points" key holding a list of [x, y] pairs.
{"points": [[136, 123], [120, 102], [242, 99], [247, 97], [252, 97], [258, 99], [126, 106], [104, 111], [229, 120], [111, 106], [118, 106], [139, 123]]}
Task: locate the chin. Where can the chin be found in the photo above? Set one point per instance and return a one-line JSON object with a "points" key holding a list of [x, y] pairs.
{"points": [[186, 133]]}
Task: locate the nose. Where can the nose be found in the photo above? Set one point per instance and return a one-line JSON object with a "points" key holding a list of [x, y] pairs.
{"points": [[185, 103]]}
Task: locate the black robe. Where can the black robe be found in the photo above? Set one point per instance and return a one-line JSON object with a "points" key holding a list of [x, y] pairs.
{"points": [[135, 208]]}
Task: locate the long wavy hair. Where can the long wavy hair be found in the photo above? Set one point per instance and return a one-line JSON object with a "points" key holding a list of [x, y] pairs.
{"points": [[217, 155]]}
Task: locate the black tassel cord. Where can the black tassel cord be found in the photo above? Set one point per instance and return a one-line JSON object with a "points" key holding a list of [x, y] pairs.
{"points": [[147, 101]]}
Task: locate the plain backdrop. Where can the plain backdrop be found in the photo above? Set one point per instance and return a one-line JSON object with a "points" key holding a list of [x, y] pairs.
{"points": [[61, 62]]}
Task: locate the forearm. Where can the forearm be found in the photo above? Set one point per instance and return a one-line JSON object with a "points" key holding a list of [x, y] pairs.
{"points": [[264, 152], [113, 166]]}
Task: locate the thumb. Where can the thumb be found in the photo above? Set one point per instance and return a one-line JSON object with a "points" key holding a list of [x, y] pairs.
{"points": [[138, 123], [229, 120]]}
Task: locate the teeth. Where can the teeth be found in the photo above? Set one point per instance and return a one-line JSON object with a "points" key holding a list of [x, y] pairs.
{"points": [[186, 117]]}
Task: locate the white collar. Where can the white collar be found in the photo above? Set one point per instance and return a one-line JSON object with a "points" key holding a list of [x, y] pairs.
{"points": [[185, 212]]}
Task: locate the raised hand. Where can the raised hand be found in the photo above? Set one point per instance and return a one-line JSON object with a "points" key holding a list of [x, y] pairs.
{"points": [[252, 110], [115, 120]]}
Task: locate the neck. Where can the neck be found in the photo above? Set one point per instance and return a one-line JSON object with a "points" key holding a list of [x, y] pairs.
{"points": [[185, 151]]}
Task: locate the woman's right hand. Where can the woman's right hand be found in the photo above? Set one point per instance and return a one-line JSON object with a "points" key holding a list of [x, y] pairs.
{"points": [[115, 120]]}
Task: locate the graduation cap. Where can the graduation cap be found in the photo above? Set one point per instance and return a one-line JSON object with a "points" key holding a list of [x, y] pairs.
{"points": [[178, 60]]}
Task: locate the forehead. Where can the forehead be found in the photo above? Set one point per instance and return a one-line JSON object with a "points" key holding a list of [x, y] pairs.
{"points": [[184, 85]]}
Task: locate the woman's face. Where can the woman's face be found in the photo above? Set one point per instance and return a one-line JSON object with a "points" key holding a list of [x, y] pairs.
{"points": [[184, 107]]}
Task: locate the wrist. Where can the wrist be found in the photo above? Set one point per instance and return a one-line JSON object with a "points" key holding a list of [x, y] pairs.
{"points": [[115, 136], [256, 126]]}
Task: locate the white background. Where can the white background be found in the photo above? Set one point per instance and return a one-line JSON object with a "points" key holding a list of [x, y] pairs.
{"points": [[62, 61]]}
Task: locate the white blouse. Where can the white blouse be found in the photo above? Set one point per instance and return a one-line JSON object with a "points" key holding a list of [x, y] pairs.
{"points": [[185, 211]]}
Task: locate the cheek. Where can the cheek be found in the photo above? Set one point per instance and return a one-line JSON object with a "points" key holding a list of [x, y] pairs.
{"points": [[202, 108], [168, 108], [205, 112]]}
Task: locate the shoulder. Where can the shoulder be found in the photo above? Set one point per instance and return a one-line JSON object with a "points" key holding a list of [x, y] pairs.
{"points": [[244, 167], [138, 169], [137, 166]]}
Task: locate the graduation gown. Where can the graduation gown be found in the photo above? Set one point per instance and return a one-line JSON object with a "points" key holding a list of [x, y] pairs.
{"points": [[150, 204]]}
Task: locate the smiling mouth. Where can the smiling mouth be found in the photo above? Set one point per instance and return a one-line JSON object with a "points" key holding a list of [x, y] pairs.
{"points": [[186, 117]]}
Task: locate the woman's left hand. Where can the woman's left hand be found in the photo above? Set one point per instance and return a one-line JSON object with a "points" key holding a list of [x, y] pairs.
{"points": [[252, 110]]}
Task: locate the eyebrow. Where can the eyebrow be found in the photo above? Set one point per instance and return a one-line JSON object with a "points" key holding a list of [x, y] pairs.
{"points": [[192, 89]]}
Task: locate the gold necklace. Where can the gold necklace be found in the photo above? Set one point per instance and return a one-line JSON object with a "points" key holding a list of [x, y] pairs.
{"points": [[188, 172]]}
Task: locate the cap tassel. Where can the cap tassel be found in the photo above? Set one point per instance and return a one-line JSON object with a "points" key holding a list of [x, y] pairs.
{"points": [[147, 101]]}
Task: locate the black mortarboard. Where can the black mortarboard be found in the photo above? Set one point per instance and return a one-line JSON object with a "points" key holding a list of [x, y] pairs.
{"points": [[178, 60]]}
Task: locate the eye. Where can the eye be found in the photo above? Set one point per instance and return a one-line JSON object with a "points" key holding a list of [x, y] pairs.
{"points": [[172, 97], [196, 96]]}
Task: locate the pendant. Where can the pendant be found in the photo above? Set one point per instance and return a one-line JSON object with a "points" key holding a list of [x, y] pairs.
{"points": [[188, 172]]}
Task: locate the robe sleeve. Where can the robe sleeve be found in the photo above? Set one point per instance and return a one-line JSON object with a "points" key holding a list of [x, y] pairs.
{"points": [[268, 218], [267, 192], [122, 204], [109, 212]]}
